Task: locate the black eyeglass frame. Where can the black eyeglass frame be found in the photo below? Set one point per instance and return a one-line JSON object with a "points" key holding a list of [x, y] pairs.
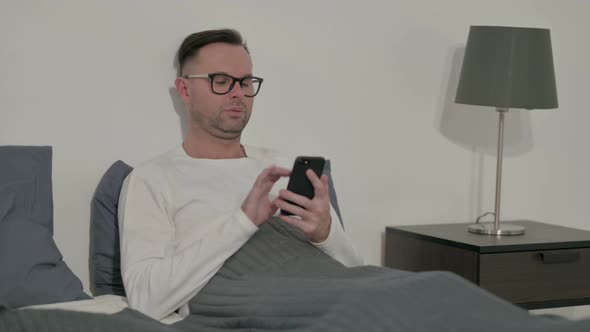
{"points": [[211, 77]]}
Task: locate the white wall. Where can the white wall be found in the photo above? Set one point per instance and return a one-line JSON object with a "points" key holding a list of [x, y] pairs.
{"points": [[368, 84]]}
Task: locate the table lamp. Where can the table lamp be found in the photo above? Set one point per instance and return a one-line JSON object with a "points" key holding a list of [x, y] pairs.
{"points": [[506, 67]]}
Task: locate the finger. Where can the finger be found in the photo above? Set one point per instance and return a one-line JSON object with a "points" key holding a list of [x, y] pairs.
{"points": [[324, 179], [263, 175], [275, 173], [318, 186], [295, 198], [273, 209], [302, 225], [269, 176], [279, 171], [290, 207]]}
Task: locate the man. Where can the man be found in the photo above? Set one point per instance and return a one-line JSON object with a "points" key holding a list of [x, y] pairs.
{"points": [[185, 212]]}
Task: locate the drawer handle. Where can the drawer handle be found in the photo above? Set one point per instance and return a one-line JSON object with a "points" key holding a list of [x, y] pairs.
{"points": [[559, 257]]}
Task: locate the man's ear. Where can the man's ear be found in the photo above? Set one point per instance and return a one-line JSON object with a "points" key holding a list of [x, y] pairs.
{"points": [[182, 88]]}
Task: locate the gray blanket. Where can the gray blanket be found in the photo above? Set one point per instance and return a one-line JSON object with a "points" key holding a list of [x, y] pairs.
{"points": [[280, 282], [54, 320]]}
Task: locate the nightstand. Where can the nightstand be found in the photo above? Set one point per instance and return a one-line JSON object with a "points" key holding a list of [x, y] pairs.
{"points": [[548, 266]]}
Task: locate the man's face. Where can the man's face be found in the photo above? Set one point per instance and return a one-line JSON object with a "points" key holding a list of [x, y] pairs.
{"points": [[222, 116]]}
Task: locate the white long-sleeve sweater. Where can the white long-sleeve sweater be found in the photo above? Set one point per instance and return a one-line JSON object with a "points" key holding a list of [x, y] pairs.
{"points": [[180, 218]]}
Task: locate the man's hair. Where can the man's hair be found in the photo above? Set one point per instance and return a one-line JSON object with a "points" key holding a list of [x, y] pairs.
{"points": [[194, 42]]}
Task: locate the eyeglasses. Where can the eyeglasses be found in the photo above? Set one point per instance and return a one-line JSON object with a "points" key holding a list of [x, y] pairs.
{"points": [[223, 83]]}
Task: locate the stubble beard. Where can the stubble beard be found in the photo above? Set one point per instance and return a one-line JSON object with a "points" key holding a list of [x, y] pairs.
{"points": [[221, 127], [229, 128]]}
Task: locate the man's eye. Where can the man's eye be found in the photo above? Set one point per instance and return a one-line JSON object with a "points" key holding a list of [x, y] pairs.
{"points": [[221, 81]]}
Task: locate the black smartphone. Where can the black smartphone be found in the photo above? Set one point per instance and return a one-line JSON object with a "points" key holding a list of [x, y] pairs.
{"points": [[298, 181]]}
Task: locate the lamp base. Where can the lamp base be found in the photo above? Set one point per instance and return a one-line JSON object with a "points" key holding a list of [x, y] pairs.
{"points": [[488, 229]]}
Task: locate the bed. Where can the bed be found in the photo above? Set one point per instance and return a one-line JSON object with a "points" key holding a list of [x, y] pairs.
{"points": [[289, 285]]}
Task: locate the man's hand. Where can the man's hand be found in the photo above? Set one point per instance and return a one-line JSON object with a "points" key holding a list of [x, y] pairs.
{"points": [[257, 206], [314, 214]]}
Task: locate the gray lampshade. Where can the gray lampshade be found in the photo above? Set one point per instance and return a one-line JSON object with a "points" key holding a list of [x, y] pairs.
{"points": [[508, 67]]}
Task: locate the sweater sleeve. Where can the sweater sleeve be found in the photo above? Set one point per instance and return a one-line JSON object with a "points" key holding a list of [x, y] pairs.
{"points": [[338, 245], [160, 274]]}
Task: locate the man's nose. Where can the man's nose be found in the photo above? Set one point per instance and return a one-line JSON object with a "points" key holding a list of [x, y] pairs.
{"points": [[237, 91]]}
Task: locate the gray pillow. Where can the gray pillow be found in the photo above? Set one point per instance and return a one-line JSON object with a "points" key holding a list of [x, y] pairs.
{"points": [[104, 229], [16, 199], [33, 271], [25, 180], [333, 197]]}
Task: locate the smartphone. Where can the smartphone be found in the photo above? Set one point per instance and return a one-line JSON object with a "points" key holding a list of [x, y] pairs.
{"points": [[298, 181]]}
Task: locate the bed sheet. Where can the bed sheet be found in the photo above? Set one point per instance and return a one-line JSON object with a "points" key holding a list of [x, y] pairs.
{"points": [[104, 304]]}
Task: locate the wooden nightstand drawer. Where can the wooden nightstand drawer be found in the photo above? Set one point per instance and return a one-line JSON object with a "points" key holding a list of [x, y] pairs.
{"points": [[536, 276], [547, 267]]}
